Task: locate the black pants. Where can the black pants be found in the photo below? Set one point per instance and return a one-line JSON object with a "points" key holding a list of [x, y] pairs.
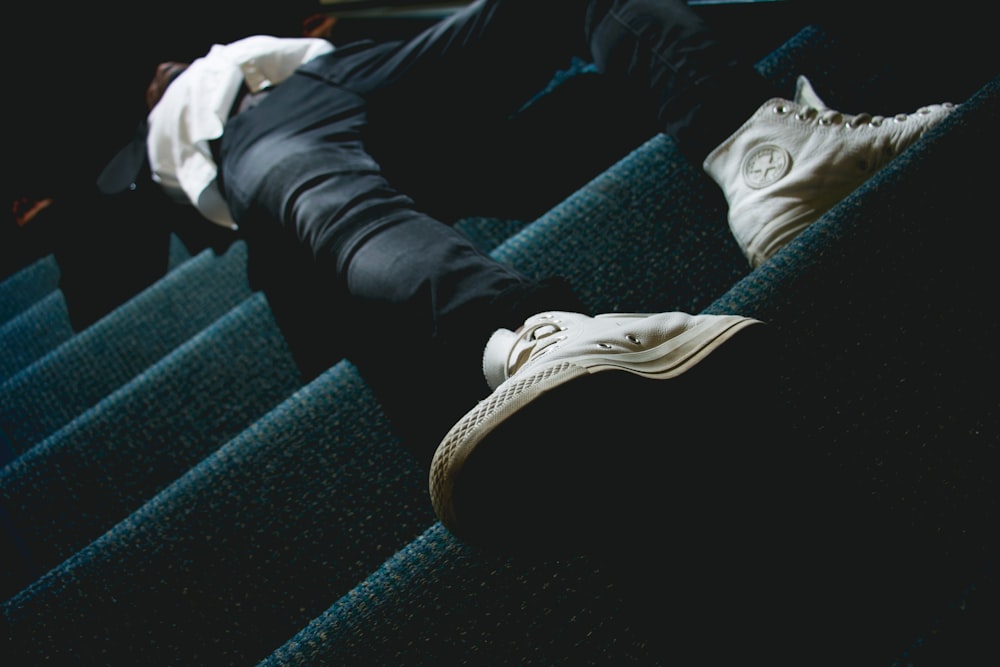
{"points": [[347, 177]]}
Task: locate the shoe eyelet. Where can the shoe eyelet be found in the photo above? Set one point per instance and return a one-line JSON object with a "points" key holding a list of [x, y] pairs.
{"points": [[832, 118], [780, 109], [860, 120], [632, 339], [899, 118], [604, 346], [806, 114], [875, 122]]}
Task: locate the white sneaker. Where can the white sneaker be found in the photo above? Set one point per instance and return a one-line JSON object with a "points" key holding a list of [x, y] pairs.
{"points": [[794, 160], [556, 400]]}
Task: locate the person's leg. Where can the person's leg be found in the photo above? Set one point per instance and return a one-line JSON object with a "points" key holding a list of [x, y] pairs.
{"points": [[444, 98], [698, 86], [378, 267], [494, 55], [487, 58], [450, 92]]}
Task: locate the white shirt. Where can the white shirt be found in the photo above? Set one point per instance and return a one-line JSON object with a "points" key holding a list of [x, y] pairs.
{"points": [[195, 106]]}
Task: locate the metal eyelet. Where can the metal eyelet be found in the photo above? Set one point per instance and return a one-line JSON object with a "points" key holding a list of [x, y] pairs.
{"points": [[899, 118], [860, 120], [780, 109], [805, 114], [604, 346], [632, 339]]}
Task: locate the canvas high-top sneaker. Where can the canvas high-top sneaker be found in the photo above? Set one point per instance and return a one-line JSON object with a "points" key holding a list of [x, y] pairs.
{"points": [[574, 397], [794, 160]]}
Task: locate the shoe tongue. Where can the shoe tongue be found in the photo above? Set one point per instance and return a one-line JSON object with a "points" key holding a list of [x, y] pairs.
{"points": [[806, 96], [495, 356]]}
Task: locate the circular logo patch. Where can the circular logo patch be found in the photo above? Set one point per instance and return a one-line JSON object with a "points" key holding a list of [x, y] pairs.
{"points": [[765, 165]]}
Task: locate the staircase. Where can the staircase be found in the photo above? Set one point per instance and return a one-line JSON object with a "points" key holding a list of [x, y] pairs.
{"points": [[173, 492]]}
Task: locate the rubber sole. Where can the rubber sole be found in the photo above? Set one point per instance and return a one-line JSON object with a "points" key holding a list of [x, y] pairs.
{"points": [[560, 467]]}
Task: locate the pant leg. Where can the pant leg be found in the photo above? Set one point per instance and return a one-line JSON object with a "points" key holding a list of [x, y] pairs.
{"points": [[363, 271], [493, 55], [489, 57], [465, 76], [299, 160], [699, 88], [443, 98]]}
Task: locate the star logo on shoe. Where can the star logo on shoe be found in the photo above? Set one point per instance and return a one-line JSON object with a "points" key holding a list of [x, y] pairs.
{"points": [[765, 165]]}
